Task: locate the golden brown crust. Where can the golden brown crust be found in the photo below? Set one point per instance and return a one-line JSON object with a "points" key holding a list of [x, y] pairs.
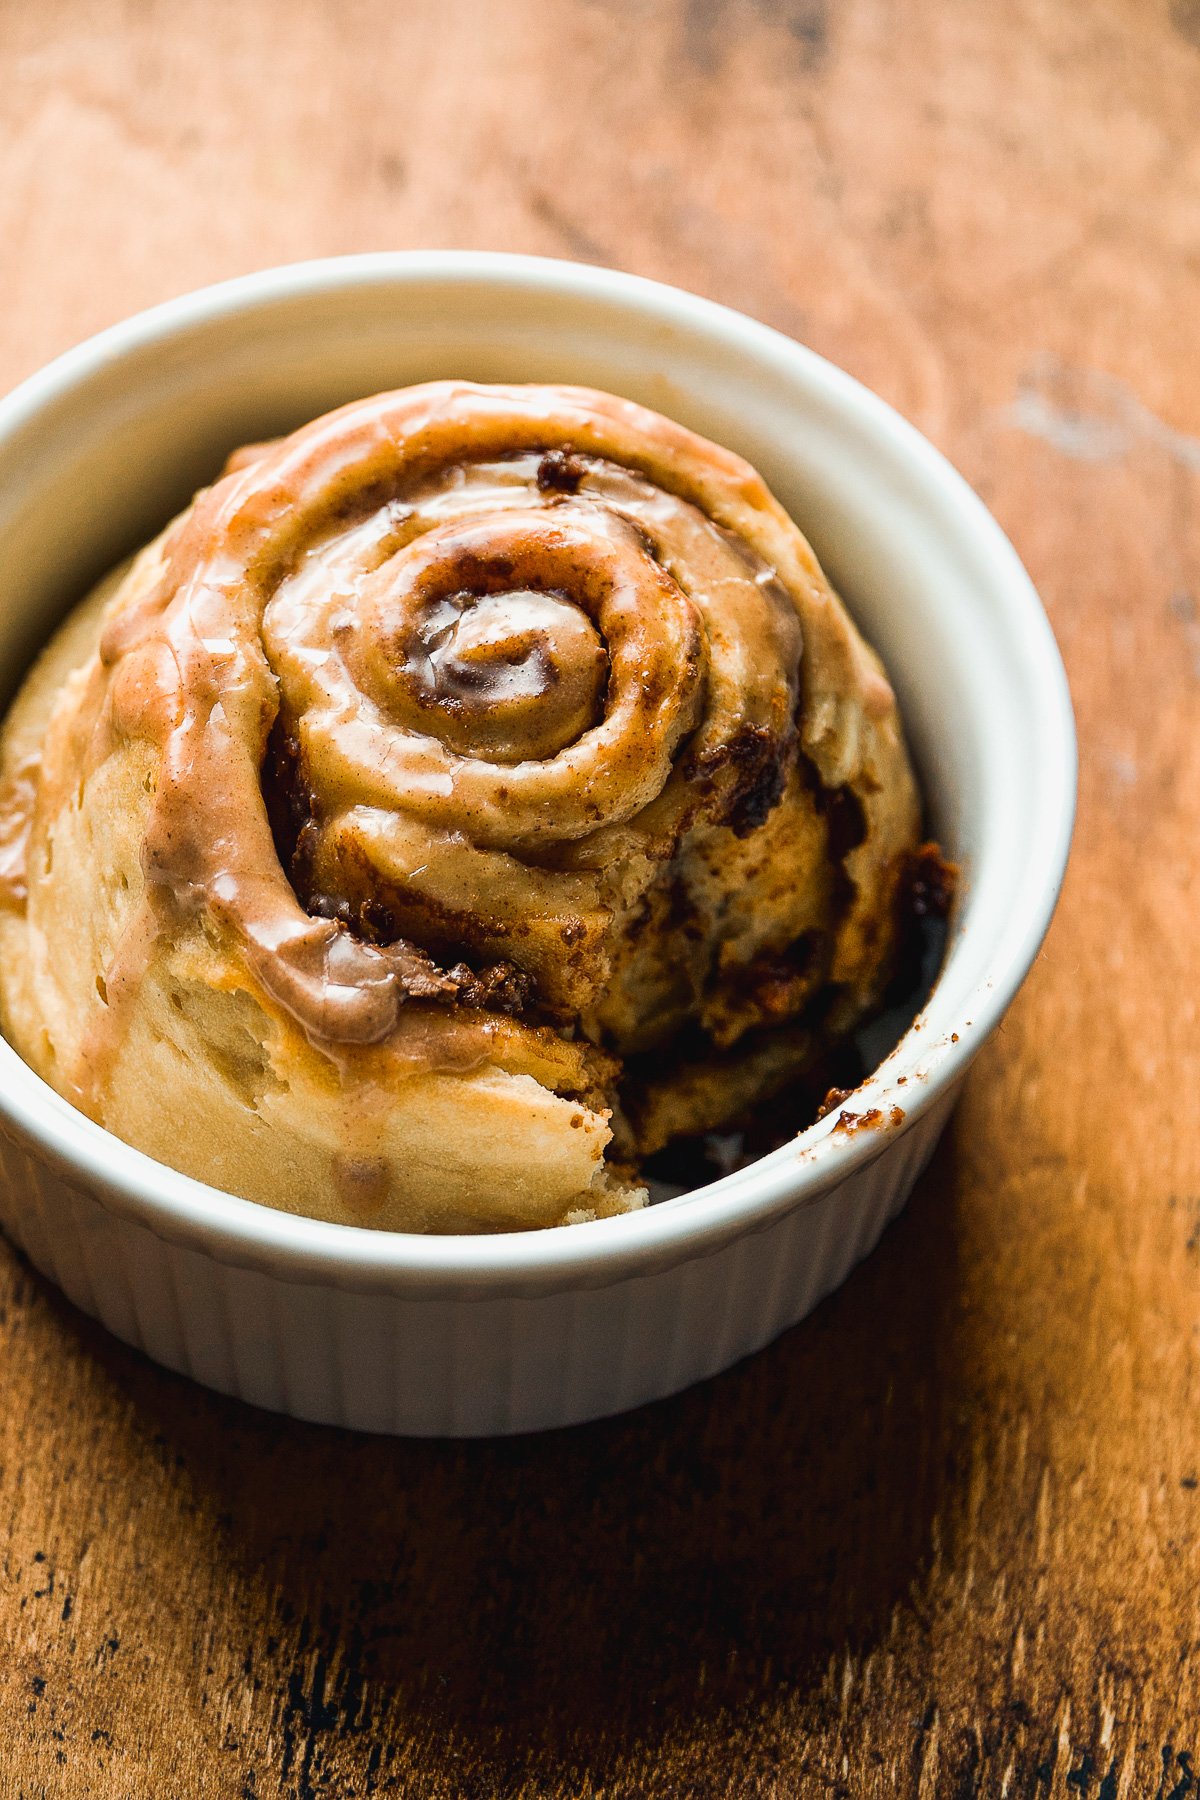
{"points": [[438, 758]]}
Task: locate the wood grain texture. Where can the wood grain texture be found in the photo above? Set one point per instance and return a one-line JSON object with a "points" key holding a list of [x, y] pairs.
{"points": [[945, 1537]]}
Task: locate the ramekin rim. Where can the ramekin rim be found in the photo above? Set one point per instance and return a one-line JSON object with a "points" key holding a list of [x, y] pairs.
{"points": [[182, 1209]]}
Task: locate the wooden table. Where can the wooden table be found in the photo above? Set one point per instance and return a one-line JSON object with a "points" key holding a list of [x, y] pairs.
{"points": [[945, 1537]]}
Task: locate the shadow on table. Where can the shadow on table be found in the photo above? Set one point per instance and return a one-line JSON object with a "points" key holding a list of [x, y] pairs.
{"points": [[572, 1599]]}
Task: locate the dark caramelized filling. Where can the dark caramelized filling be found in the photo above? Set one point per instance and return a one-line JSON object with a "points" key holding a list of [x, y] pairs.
{"points": [[924, 897], [291, 810]]}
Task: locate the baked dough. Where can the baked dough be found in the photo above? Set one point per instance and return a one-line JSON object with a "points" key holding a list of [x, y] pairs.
{"points": [[465, 794]]}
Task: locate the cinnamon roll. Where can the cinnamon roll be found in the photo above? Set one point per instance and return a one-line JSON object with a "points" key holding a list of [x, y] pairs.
{"points": [[465, 795]]}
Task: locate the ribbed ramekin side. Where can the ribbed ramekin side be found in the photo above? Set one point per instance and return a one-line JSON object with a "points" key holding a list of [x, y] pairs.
{"points": [[468, 1365]]}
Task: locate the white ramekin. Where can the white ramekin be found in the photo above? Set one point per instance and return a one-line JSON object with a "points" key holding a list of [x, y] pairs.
{"points": [[476, 1335]]}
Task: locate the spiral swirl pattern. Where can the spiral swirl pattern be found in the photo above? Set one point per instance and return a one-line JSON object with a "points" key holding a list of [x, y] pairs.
{"points": [[502, 729]]}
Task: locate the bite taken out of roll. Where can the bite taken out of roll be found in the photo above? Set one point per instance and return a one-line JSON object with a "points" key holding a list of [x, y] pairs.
{"points": [[467, 794]]}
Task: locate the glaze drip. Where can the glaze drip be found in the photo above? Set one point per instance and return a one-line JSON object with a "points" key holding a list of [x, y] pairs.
{"points": [[524, 652]]}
